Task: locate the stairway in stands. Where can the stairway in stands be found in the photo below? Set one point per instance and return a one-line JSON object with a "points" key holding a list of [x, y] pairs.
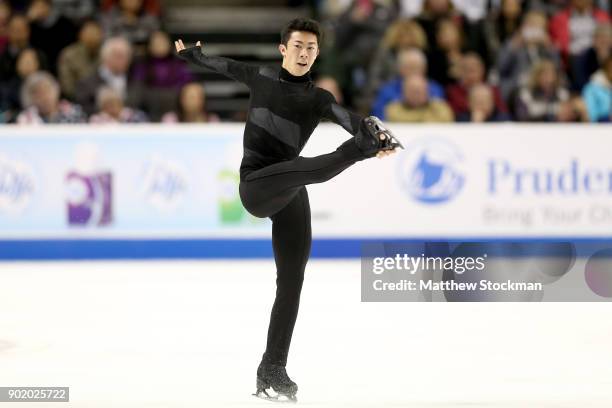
{"points": [[239, 29]]}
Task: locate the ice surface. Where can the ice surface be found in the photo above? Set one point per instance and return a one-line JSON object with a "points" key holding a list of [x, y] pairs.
{"points": [[190, 334]]}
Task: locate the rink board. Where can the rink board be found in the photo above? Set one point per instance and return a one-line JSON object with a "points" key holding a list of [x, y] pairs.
{"points": [[171, 191]]}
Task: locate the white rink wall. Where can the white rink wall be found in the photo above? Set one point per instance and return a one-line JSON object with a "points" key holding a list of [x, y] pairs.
{"points": [[171, 191]]}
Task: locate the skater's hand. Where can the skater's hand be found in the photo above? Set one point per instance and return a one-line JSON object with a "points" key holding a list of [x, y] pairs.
{"points": [[180, 46], [384, 153]]}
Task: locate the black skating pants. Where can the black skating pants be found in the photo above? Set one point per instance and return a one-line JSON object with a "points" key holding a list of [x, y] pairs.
{"points": [[278, 191]]}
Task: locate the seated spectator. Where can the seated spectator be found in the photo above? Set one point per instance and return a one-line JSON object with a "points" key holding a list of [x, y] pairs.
{"points": [[518, 55], [416, 105], [472, 72], [152, 7], [432, 13], [115, 57], [482, 106], [403, 34], [410, 62], [77, 11], [445, 57], [597, 93], [40, 98], [129, 19], [5, 117], [589, 61], [51, 32], [549, 7], [191, 106], [112, 110], [573, 110], [357, 33], [540, 100], [473, 25], [473, 10], [502, 24], [160, 68], [411, 8], [18, 40], [159, 75], [27, 64], [331, 85], [572, 29], [472, 30], [79, 60]]}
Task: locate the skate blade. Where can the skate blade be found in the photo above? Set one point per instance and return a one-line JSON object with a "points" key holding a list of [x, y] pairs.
{"points": [[393, 146], [397, 143], [282, 398], [393, 142]]}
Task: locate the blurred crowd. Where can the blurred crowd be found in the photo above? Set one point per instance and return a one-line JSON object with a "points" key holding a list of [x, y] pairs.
{"points": [[109, 61], [69, 61], [471, 60]]}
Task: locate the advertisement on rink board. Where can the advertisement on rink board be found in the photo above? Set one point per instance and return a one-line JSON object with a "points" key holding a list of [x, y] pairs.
{"points": [[451, 181]]}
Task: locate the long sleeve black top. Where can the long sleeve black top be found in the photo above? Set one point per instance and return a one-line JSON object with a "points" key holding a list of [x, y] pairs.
{"points": [[283, 111]]}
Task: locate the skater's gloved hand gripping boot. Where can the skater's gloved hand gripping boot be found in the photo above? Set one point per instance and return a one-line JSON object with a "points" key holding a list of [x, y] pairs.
{"points": [[376, 139]]}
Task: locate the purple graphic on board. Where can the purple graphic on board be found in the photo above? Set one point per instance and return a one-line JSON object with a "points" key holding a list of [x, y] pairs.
{"points": [[89, 198]]}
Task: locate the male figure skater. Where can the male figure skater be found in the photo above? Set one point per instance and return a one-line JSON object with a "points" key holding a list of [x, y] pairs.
{"points": [[285, 108]]}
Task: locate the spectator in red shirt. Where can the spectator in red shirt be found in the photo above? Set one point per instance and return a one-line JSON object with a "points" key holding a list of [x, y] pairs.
{"points": [[471, 73], [572, 29], [482, 107]]}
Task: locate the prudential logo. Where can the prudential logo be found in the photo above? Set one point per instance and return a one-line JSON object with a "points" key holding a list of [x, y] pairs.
{"points": [[430, 170]]}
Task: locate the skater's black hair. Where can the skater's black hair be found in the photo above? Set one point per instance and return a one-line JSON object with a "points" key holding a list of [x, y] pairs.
{"points": [[301, 24]]}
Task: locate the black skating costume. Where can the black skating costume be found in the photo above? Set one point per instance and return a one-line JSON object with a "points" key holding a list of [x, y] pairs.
{"points": [[283, 112]]}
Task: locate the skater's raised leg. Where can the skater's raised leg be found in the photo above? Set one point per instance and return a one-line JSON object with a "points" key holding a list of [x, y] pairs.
{"points": [[267, 190]]}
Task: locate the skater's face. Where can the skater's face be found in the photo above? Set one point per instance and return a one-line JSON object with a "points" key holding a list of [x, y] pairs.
{"points": [[300, 52]]}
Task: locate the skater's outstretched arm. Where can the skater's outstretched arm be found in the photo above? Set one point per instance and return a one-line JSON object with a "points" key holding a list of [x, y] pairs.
{"points": [[330, 109], [238, 71], [350, 121]]}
